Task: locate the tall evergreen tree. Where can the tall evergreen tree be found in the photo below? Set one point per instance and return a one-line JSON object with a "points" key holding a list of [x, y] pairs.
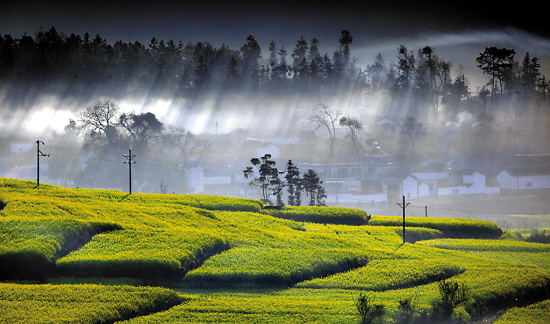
{"points": [[294, 184], [299, 53], [497, 63], [313, 188]]}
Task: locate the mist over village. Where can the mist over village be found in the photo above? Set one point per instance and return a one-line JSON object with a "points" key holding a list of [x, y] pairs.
{"points": [[194, 115], [292, 162]]}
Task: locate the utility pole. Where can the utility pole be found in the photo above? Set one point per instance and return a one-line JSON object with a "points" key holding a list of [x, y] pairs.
{"points": [[38, 155], [403, 206], [129, 157]]}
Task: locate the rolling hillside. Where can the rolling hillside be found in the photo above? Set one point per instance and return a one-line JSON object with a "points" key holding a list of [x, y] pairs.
{"points": [[224, 260]]}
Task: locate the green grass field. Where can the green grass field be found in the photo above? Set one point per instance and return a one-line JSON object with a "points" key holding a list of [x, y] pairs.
{"points": [[226, 260]]}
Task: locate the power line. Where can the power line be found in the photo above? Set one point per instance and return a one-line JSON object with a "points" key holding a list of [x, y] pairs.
{"points": [[39, 154], [404, 205], [129, 157]]}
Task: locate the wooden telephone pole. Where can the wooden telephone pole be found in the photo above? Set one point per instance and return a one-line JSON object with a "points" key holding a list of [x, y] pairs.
{"points": [[403, 206], [130, 161], [38, 155]]}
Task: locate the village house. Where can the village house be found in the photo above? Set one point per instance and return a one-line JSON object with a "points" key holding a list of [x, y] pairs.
{"points": [[526, 171]]}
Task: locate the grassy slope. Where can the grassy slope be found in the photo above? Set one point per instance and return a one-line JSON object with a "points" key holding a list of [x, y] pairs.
{"points": [[151, 232]]}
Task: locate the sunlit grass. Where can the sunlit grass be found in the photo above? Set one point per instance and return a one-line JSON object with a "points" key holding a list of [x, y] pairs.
{"points": [[292, 270]]}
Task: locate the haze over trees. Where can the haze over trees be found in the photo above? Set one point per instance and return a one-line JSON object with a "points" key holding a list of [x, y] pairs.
{"points": [[276, 85], [108, 134], [419, 85]]}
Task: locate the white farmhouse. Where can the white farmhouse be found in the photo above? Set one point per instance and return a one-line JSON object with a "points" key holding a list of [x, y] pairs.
{"points": [[414, 188], [472, 183], [432, 174], [527, 171]]}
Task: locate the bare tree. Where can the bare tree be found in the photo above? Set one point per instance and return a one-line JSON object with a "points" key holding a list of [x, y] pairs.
{"points": [[191, 150], [327, 118], [412, 131], [354, 126], [99, 123]]}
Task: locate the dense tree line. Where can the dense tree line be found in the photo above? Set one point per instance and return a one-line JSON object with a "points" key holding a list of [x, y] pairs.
{"points": [[417, 84]]}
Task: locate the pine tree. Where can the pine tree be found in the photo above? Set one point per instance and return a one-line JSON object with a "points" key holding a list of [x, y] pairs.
{"points": [[294, 184], [313, 188]]}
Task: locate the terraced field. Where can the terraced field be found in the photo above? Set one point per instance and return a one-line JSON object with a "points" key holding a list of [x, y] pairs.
{"points": [[225, 260]]}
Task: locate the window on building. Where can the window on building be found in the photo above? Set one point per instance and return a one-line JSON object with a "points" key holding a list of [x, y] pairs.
{"points": [[528, 184], [342, 173], [356, 172]]}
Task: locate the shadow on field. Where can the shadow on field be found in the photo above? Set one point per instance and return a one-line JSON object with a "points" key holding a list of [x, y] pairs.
{"points": [[33, 265], [124, 198]]}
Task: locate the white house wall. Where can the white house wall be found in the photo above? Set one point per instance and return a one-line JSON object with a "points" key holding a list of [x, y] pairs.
{"points": [[462, 190], [410, 188], [506, 181], [534, 182], [478, 183], [423, 190], [477, 186], [196, 179]]}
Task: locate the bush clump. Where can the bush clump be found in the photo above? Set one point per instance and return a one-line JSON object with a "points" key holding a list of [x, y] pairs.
{"points": [[369, 311], [323, 215], [451, 227]]}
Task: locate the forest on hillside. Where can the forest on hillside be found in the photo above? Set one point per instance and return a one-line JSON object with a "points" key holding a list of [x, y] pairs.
{"points": [[416, 83]]}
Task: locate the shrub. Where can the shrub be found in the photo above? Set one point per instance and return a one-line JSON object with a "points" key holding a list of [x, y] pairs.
{"points": [[405, 311], [451, 227], [452, 295], [332, 215], [539, 236], [368, 310]]}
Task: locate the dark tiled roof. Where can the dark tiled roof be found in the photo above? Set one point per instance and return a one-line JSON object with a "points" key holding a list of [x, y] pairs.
{"points": [[432, 167], [529, 164]]}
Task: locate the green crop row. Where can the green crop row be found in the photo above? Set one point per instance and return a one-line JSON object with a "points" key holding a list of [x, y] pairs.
{"points": [[451, 227], [504, 250], [273, 266], [538, 313], [487, 245], [80, 303], [330, 215], [132, 253], [385, 274], [151, 235], [208, 202]]}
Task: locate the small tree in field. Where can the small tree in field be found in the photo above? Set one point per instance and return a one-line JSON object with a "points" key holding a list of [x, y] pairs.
{"points": [[313, 188], [452, 295], [368, 310], [263, 174], [294, 184]]}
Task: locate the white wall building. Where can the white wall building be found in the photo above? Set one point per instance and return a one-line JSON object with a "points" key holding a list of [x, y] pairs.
{"points": [[414, 188], [527, 171], [473, 183]]}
